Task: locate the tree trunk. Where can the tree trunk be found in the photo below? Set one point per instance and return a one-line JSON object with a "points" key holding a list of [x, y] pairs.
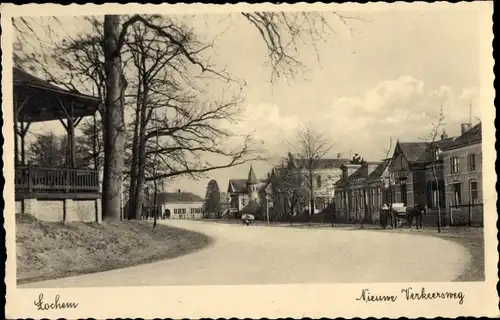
{"points": [[311, 211], [133, 169], [142, 158], [155, 212], [115, 128], [438, 200]]}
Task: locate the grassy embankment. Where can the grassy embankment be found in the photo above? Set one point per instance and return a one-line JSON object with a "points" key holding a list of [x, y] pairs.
{"points": [[50, 250]]}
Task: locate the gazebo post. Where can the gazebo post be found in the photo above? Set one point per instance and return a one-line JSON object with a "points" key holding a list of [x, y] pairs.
{"points": [[71, 135], [24, 130], [94, 144], [23, 160]]}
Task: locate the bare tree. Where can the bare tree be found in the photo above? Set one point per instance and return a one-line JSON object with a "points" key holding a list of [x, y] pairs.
{"points": [[388, 190], [310, 148], [282, 33], [437, 123], [288, 190]]}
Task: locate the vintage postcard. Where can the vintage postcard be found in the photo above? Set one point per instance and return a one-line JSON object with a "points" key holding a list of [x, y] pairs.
{"points": [[249, 161]]}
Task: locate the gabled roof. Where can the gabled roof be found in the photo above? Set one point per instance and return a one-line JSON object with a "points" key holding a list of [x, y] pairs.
{"points": [[415, 151], [357, 175], [379, 170], [471, 136], [421, 152], [238, 185], [177, 197]]}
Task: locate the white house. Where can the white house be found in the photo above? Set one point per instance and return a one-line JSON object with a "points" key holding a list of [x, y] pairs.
{"points": [[180, 205]]}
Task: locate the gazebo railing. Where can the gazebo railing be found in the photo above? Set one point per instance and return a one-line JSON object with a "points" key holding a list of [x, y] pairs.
{"points": [[33, 179]]}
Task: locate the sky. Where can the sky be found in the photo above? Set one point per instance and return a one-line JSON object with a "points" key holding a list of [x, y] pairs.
{"points": [[377, 78]]}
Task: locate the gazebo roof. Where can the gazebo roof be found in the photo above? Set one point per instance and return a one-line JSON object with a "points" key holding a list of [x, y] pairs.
{"points": [[38, 100]]}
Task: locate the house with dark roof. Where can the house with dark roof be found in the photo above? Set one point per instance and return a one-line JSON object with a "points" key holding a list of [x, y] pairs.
{"points": [[360, 193], [414, 168], [462, 171], [248, 195], [180, 205]]}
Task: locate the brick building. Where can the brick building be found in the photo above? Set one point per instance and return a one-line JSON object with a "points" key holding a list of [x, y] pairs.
{"points": [[412, 166], [462, 170]]}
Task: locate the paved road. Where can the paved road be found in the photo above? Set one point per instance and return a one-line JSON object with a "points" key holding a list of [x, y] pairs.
{"points": [[276, 255]]}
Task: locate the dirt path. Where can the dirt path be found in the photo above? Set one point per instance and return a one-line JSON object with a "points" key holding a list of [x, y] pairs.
{"points": [[261, 255]]}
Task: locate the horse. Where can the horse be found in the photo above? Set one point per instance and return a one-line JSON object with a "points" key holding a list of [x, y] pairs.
{"points": [[416, 212]]}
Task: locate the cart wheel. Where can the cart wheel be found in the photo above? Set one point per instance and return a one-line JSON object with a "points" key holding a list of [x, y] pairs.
{"points": [[399, 222]]}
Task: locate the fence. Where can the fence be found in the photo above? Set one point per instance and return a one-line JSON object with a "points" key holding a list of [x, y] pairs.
{"points": [[29, 179], [466, 215]]}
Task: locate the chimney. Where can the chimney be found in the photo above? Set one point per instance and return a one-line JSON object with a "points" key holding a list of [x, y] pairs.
{"points": [[444, 135], [339, 155], [465, 127]]}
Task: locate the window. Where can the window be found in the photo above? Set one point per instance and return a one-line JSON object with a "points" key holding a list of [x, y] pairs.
{"points": [[454, 164], [374, 197], [457, 193], [474, 199], [195, 210], [318, 182], [472, 162]]}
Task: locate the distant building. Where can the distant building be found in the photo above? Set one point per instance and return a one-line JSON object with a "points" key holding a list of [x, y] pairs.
{"points": [[180, 205], [248, 195], [360, 193], [326, 173]]}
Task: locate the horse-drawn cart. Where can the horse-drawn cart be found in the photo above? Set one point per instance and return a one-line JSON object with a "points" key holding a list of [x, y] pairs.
{"points": [[397, 213], [400, 215]]}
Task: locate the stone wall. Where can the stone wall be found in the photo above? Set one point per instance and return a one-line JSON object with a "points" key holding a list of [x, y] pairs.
{"points": [[62, 210], [19, 207]]}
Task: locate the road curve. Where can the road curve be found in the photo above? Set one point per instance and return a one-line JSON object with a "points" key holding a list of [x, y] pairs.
{"points": [[278, 255]]}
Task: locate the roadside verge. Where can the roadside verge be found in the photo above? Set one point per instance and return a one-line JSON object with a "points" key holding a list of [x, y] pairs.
{"points": [[51, 250]]}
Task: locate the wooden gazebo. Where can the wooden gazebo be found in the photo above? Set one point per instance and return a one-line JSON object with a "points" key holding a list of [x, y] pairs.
{"points": [[36, 100]]}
